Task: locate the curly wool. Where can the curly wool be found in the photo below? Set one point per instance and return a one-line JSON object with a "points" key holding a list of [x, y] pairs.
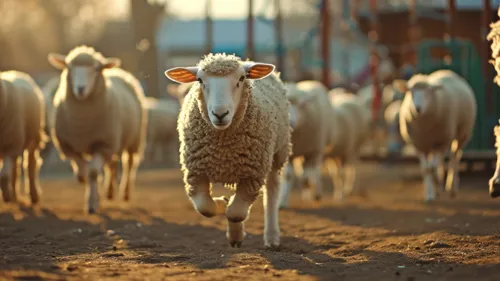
{"points": [[112, 119], [219, 64], [22, 114], [244, 151]]}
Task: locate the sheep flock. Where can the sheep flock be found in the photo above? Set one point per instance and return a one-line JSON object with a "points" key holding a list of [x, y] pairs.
{"points": [[230, 123]]}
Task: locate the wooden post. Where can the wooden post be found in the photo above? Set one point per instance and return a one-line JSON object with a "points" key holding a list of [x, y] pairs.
{"points": [[208, 27], [413, 33], [250, 42], [486, 20], [374, 58], [325, 42], [278, 30]]}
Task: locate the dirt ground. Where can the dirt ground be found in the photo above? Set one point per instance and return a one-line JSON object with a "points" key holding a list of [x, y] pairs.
{"points": [[390, 235]]}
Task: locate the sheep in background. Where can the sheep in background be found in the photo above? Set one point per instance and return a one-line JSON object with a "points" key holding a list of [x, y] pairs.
{"points": [[98, 117], [438, 114], [179, 91], [350, 127], [162, 124], [49, 90], [22, 112], [310, 118], [234, 130]]}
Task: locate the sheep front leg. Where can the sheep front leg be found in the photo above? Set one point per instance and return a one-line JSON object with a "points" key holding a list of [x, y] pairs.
{"points": [[129, 173], [350, 178], [111, 172], [335, 172], [452, 180], [5, 178], [34, 163], [438, 171], [427, 170], [494, 183], [199, 191], [238, 209], [95, 167], [271, 206], [287, 183], [312, 178]]}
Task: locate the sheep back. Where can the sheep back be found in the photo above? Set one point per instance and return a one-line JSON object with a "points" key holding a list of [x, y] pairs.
{"points": [[451, 116], [311, 138], [162, 118], [350, 126], [247, 149], [22, 114]]}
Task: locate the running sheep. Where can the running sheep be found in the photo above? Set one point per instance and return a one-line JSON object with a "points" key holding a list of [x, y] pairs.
{"points": [[437, 115], [234, 129], [98, 117], [310, 117], [162, 124], [22, 136], [350, 128]]}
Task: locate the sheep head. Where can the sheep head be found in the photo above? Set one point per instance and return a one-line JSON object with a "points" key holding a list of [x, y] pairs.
{"points": [[84, 67], [223, 82], [419, 91]]}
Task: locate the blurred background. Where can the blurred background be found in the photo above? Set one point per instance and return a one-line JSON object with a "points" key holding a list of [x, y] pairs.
{"points": [[340, 42]]}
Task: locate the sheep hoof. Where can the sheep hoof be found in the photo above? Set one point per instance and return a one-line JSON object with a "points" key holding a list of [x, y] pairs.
{"points": [[5, 186], [81, 179], [318, 197], [91, 211], [207, 214], [236, 244], [273, 247]]}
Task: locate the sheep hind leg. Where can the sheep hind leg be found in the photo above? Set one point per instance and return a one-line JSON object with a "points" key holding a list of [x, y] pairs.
{"points": [[95, 167], [5, 179], [287, 182], [350, 180], [452, 179], [34, 163], [438, 171], [129, 174], [16, 184], [426, 170], [312, 179], [335, 172], [271, 206], [111, 173]]}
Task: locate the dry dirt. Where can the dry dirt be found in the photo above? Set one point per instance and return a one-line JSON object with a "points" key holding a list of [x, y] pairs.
{"points": [[390, 235]]}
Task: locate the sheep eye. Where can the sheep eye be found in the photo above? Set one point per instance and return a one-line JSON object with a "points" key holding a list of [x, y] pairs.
{"points": [[199, 80], [242, 78]]}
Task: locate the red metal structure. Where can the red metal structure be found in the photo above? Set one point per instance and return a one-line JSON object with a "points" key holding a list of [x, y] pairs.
{"points": [[250, 43], [413, 33], [278, 30], [374, 58], [325, 42]]}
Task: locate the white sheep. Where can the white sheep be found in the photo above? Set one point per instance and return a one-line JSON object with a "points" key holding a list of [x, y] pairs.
{"points": [[162, 125], [350, 129], [22, 125], [49, 90], [99, 117], [234, 130], [179, 91], [437, 114], [395, 142], [494, 37], [310, 118]]}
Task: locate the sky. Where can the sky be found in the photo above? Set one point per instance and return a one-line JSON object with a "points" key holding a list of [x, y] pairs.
{"points": [[189, 9]]}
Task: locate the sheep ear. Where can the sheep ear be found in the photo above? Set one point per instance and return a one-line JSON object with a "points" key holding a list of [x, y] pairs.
{"points": [[400, 85], [257, 70], [112, 63], [57, 60], [182, 74]]}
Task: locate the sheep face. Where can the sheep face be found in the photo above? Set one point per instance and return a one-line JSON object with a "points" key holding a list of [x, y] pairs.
{"points": [[82, 73], [221, 93], [421, 95], [298, 103]]}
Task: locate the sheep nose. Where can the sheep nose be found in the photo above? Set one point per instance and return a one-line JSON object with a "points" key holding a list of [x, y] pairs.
{"points": [[220, 116], [418, 109], [80, 90]]}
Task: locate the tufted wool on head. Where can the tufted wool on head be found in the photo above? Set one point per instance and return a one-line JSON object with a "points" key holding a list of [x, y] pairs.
{"points": [[219, 64], [84, 55], [418, 81]]}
